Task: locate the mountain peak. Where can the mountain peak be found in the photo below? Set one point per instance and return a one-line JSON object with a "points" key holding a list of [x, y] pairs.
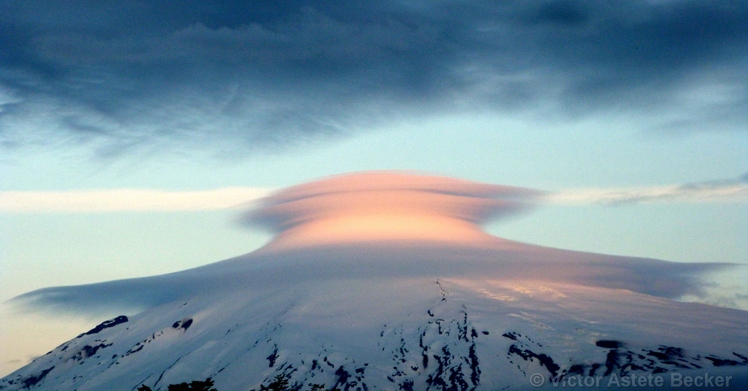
{"points": [[387, 281]]}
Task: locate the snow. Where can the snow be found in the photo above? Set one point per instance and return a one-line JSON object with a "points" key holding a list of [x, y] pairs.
{"points": [[386, 325]]}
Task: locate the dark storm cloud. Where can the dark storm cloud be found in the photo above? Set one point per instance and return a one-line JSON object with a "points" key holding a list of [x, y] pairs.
{"points": [[268, 74]]}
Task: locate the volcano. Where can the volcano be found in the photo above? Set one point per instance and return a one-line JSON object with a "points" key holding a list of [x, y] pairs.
{"points": [[386, 281]]}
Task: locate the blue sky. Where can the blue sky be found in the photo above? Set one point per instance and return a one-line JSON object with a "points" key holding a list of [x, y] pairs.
{"points": [[630, 99]]}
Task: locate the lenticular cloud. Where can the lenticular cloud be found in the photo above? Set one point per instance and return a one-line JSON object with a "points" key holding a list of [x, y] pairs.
{"points": [[386, 206], [382, 225]]}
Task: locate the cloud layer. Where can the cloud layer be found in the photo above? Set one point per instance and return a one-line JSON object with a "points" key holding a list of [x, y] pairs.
{"points": [[118, 200], [253, 76], [712, 191], [496, 199]]}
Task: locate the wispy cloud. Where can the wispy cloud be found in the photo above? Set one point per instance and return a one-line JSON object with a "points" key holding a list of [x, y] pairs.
{"points": [[257, 75], [116, 200], [713, 191]]}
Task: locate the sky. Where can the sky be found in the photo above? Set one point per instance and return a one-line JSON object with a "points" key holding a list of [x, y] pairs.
{"points": [[133, 135]]}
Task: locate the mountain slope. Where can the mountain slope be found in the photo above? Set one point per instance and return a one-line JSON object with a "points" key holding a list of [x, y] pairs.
{"points": [[386, 332]]}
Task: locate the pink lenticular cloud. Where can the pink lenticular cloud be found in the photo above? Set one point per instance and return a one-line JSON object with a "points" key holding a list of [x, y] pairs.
{"points": [[387, 206], [388, 225]]}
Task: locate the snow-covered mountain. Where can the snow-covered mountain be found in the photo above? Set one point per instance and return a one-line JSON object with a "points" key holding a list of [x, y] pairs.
{"points": [[385, 281]]}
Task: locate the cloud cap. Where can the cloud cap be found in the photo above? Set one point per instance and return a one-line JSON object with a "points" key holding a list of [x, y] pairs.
{"points": [[393, 226], [386, 206]]}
